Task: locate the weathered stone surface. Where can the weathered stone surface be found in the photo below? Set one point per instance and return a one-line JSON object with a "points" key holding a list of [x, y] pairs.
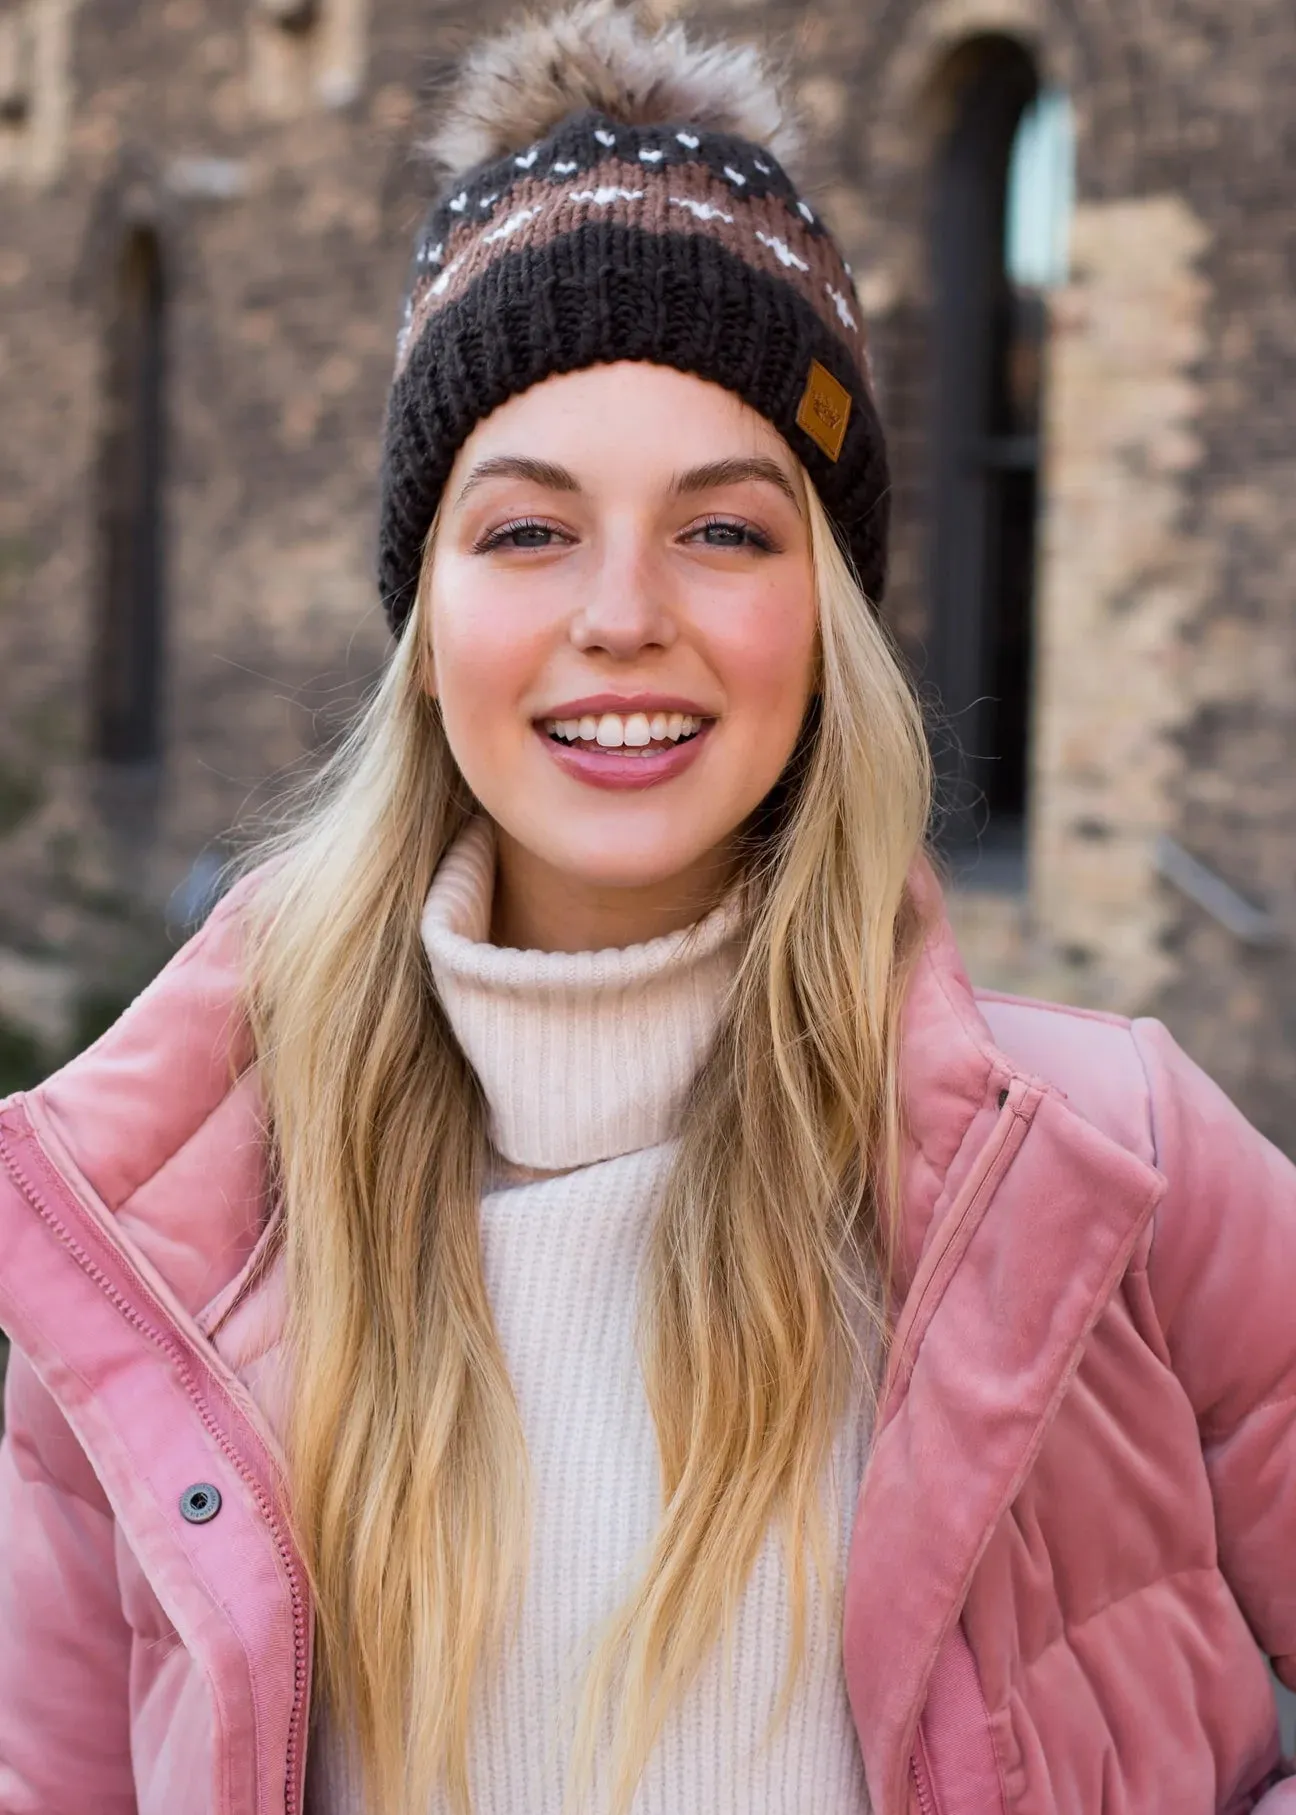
{"points": [[1121, 574], [273, 163]]}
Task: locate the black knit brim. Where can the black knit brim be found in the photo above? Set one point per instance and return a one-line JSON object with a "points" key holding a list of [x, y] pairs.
{"points": [[669, 300]]}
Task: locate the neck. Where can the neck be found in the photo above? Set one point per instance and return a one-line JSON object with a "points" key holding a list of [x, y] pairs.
{"points": [[537, 908], [581, 1056]]}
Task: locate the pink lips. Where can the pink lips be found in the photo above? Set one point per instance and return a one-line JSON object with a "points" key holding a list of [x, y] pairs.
{"points": [[615, 768], [595, 704]]}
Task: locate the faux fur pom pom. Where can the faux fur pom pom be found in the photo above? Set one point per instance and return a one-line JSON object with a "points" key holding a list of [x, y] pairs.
{"points": [[514, 88]]}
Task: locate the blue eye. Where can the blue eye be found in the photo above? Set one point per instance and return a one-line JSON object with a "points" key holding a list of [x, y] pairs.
{"points": [[723, 532], [524, 533]]}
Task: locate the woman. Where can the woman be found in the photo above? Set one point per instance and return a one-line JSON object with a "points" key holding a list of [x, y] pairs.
{"points": [[561, 1291]]}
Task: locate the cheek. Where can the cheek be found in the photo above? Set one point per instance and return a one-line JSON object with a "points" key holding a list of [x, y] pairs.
{"points": [[486, 652], [765, 653]]}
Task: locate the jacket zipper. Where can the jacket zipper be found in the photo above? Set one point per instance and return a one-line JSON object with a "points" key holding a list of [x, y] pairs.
{"points": [[920, 1771], [1010, 1130], [177, 1352]]}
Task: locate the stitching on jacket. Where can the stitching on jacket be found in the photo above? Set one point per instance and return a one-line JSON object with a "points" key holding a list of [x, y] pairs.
{"points": [[1001, 1762], [240, 1286], [987, 1055], [1153, 1131], [1154, 1137], [225, 909], [1071, 1627], [940, 1170], [188, 1364], [169, 1159], [1219, 1439], [234, 899]]}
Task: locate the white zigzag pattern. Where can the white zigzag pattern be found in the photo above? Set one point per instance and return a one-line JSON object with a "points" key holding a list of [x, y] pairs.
{"points": [[782, 252], [703, 210], [507, 228], [842, 307], [605, 195]]}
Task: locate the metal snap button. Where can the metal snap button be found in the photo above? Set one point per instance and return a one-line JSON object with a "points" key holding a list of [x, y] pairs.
{"points": [[200, 1502]]}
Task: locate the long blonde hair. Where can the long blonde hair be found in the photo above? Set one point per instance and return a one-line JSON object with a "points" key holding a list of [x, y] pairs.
{"points": [[406, 1456]]}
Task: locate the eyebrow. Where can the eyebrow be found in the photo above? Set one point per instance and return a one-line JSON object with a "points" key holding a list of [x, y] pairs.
{"points": [[734, 472], [519, 466], [710, 477]]}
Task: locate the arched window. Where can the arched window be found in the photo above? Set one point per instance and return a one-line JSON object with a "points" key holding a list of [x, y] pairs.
{"points": [[1000, 224], [128, 645]]}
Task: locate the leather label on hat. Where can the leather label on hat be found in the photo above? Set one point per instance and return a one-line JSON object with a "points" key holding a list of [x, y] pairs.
{"points": [[824, 410]]}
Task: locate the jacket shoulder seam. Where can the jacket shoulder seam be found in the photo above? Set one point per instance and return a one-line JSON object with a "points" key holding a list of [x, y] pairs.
{"points": [[1153, 1131], [1039, 1006]]}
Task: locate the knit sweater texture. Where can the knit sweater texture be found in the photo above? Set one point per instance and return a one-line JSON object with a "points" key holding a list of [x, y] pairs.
{"points": [[585, 1060]]}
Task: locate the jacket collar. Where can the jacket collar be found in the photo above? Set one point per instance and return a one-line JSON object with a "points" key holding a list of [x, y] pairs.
{"points": [[951, 1078], [1018, 1220], [160, 1121]]}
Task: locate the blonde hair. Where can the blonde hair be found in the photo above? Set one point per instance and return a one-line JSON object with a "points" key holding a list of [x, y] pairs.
{"points": [[406, 1455]]}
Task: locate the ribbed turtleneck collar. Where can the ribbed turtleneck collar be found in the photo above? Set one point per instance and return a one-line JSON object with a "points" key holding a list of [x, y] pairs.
{"points": [[582, 1055]]}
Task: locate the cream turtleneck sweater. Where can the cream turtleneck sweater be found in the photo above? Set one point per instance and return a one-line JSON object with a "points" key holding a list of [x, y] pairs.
{"points": [[585, 1059]]}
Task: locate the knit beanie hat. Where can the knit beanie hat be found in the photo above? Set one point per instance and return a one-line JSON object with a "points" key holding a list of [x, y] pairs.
{"points": [[618, 193]]}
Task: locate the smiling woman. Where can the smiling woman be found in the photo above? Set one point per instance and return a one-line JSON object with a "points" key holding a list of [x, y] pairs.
{"points": [[579, 574], [562, 1300]]}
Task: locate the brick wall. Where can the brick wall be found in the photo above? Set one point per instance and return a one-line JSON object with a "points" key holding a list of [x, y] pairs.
{"points": [[1165, 686], [272, 163]]}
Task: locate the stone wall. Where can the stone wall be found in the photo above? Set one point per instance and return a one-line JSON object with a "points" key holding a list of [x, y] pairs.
{"points": [[1165, 684], [273, 165], [270, 155]]}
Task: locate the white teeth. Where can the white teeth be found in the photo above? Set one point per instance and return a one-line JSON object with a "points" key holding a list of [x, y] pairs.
{"points": [[633, 731]]}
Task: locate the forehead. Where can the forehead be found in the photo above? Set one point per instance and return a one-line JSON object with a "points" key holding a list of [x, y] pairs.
{"points": [[605, 417]]}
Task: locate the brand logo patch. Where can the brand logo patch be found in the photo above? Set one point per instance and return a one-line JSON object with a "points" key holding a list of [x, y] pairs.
{"points": [[824, 410]]}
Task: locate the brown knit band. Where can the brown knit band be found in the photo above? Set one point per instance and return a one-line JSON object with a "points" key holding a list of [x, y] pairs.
{"points": [[604, 242], [690, 201]]}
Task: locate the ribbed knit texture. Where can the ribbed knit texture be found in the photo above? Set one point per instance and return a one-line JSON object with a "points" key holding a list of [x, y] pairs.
{"points": [[606, 241], [582, 1055], [582, 1058]]}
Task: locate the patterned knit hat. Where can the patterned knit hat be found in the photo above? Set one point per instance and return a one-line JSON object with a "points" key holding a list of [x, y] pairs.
{"points": [[618, 194]]}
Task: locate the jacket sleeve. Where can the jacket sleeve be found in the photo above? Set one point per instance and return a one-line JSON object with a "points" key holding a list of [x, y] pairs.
{"points": [[1222, 1269], [64, 1642]]}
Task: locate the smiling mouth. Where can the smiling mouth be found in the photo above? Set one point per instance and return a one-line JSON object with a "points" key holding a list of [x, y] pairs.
{"points": [[631, 734]]}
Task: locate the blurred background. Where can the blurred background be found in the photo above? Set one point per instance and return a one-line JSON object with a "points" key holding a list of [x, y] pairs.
{"points": [[1073, 224], [1074, 232]]}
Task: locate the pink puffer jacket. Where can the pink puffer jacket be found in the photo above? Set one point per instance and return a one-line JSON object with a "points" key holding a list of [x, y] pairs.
{"points": [[1075, 1538]]}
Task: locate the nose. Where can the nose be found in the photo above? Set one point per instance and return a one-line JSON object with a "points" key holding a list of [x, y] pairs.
{"points": [[626, 609]]}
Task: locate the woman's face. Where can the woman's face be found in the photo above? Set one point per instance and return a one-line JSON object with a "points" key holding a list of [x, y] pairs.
{"points": [[622, 629]]}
